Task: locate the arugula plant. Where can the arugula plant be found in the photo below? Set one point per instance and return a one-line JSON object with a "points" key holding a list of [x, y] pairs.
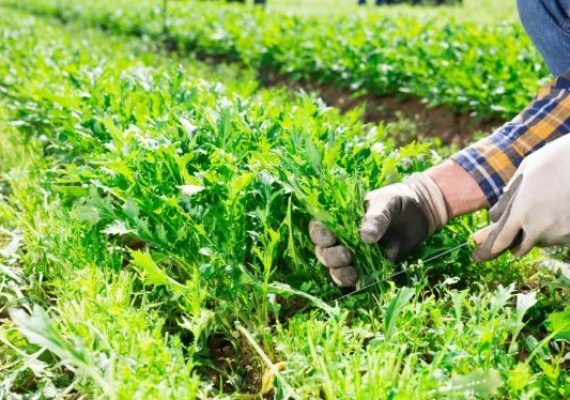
{"points": [[163, 221]]}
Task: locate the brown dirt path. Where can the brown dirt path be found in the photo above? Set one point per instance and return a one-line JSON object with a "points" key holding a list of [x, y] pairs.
{"points": [[440, 121]]}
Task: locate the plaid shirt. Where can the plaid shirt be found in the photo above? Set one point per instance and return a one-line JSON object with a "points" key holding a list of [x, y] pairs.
{"points": [[493, 161]]}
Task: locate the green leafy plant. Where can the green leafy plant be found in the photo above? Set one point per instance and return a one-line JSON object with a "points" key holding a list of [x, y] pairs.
{"points": [[488, 71], [157, 212]]}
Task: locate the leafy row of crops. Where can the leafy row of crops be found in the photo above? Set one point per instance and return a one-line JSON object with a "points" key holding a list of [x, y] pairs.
{"points": [[487, 71], [155, 228]]}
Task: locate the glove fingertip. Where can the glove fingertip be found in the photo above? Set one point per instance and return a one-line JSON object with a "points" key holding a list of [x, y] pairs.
{"points": [[482, 255], [321, 235], [481, 235], [345, 277], [477, 255], [523, 245], [372, 230], [334, 257]]}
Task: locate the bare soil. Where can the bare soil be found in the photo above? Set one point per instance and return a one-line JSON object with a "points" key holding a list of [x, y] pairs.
{"points": [[450, 126]]}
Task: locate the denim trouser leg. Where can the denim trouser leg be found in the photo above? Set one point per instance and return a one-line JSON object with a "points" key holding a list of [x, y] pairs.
{"points": [[547, 23]]}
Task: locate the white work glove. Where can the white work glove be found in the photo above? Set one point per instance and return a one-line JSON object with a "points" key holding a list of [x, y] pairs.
{"points": [[535, 207], [399, 216]]}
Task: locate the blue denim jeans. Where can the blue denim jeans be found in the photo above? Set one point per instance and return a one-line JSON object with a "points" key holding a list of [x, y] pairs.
{"points": [[547, 23]]}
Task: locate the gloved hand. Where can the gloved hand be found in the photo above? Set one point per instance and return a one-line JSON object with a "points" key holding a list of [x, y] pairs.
{"points": [[400, 216], [335, 257], [535, 207]]}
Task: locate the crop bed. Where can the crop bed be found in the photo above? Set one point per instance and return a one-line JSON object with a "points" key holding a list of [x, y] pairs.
{"points": [[485, 71], [154, 218]]}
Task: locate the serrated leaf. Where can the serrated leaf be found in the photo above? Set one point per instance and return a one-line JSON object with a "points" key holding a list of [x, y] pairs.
{"points": [[481, 383], [501, 297], [525, 301], [131, 208], [117, 228], [519, 376], [188, 127], [151, 273], [559, 324], [87, 214], [39, 329], [190, 190]]}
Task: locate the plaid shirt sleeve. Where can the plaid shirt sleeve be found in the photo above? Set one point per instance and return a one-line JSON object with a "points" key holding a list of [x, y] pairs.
{"points": [[493, 161]]}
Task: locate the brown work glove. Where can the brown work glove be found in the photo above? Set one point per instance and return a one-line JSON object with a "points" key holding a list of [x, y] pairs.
{"points": [[337, 258], [399, 216]]}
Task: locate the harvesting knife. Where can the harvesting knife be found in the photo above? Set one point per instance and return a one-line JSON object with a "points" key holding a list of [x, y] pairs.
{"points": [[379, 281]]}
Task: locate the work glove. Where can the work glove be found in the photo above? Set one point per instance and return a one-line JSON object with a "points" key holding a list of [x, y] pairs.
{"points": [[399, 216], [534, 209]]}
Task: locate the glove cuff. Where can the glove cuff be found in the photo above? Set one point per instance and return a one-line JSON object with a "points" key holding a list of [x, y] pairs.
{"points": [[431, 200]]}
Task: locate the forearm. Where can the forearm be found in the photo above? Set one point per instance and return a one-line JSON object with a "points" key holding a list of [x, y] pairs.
{"points": [[461, 193], [476, 176]]}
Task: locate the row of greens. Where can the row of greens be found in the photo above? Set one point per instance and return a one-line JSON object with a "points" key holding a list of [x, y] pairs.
{"points": [[154, 222], [488, 71]]}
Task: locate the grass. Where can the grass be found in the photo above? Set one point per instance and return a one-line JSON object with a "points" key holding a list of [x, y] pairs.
{"points": [[157, 210]]}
